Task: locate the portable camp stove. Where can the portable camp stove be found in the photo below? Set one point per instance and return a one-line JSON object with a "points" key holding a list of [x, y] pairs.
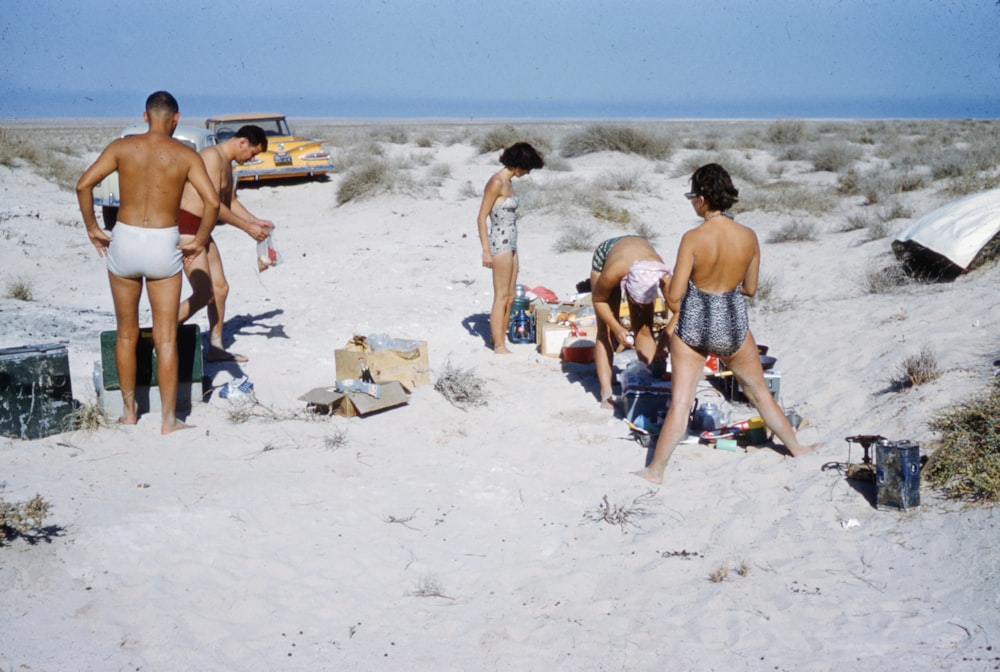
{"points": [[866, 470]]}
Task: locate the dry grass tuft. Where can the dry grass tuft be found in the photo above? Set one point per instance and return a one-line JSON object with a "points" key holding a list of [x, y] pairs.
{"points": [[502, 137], [606, 211], [622, 515], [917, 369], [20, 519], [336, 440], [90, 417], [372, 178], [793, 232], [884, 279], [720, 574], [965, 464], [22, 290], [576, 237], [461, 387], [766, 285]]}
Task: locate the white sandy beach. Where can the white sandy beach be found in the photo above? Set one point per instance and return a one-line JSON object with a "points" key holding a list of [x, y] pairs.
{"points": [[437, 538]]}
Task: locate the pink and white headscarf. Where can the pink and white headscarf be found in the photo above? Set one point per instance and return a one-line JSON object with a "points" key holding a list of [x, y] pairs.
{"points": [[643, 280]]}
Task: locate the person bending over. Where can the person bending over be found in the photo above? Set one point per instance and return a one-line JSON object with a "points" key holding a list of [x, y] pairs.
{"points": [[629, 263]]}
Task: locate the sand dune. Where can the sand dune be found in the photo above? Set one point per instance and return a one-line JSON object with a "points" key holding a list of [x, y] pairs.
{"points": [[431, 537]]}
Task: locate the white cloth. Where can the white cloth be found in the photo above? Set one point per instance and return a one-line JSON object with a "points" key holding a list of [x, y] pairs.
{"points": [[959, 229], [643, 280]]}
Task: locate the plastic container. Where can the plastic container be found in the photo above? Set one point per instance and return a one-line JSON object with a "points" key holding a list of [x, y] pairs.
{"points": [[756, 431]]}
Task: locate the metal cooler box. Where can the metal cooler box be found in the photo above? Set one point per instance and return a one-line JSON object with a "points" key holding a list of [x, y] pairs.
{"points": [[36, 396]]}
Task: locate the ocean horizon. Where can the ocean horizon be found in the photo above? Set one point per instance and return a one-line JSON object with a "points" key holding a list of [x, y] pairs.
{"points": [[62, 104]]}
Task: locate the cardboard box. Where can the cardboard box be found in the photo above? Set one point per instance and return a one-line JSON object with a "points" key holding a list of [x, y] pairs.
{"points": [[550, 335], [412, 369], [329, 401]]}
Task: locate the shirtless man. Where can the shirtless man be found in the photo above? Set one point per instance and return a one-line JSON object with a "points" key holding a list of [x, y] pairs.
{"points": [[205, 273], [633, 261], [152, 170]]}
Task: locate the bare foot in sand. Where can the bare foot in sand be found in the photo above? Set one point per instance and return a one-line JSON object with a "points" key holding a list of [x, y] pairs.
{"points": [[219, 354], [501, 350], [649, 476], [130, 415], [608, 403], [804, 450], [174, 426]]}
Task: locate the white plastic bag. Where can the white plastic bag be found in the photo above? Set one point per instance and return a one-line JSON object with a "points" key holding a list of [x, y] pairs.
{"points": [[267, 253]]}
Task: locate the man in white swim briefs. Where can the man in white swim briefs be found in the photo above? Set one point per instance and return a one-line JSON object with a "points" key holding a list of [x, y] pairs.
{"points": [[145, 245]]}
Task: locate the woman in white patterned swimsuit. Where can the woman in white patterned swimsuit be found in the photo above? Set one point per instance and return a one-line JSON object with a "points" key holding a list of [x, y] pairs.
{"points": [[717, 266], [498, 235]]}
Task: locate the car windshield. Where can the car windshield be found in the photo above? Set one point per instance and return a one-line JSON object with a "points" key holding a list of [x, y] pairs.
{"points": [[274, 127]]}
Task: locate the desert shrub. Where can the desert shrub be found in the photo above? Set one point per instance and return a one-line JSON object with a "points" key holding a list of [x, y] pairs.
{"points": [[834, 156], [787, 132], [972, 183], [54, 156], [622, 180], [461, 387], [645, 230], [396, 135], [437, 174], [741, 170], [467, 190], [876, 221], [884, 279], [857, 221], [793, 232], [20, 289], [877, 186], [500, 138], [424, 141], [602, 209], [965, 463], [917, 369], [766, 284], [371, 179], [788, 197], [616, 138], [22, 519], [576, 238], [557, 163]]}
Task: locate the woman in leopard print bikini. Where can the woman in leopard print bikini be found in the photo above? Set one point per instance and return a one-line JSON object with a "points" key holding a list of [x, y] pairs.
{"points": [[717, 266]]}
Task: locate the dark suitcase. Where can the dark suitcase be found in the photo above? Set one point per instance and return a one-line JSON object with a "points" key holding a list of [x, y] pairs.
{"points": [[36, 395]]}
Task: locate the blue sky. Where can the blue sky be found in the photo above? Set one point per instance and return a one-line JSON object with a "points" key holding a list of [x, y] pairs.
{"points": [[513, 59]]}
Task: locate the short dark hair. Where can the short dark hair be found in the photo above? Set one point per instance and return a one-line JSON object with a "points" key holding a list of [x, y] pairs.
{"points": [[522, 155], [714, 184], [254, 134], [162, 102]]}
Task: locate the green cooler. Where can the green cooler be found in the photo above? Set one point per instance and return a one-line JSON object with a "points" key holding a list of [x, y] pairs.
{"points": [[190, 371]]}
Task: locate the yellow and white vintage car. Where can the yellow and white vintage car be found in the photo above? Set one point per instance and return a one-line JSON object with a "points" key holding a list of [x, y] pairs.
{"points": [[286, 155]]}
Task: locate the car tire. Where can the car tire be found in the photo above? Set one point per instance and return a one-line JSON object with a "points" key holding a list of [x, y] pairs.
{"points": [[110, 215]]}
